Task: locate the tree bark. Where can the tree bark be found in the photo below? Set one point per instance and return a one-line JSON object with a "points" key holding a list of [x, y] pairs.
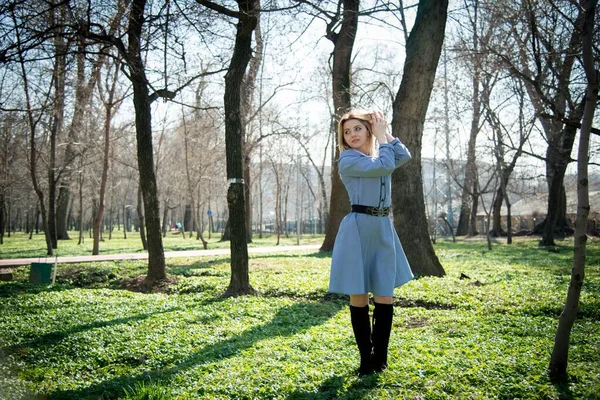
{"points": [[410, 107], [246, 107], [141, 220], [82, 95], [58, 111], [558, 363], [109, 104], [343, 43], [466, 205], [234, 132], [145, 154]]}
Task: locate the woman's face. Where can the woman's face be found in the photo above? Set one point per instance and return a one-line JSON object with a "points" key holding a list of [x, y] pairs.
{"points": [[356, 136]]}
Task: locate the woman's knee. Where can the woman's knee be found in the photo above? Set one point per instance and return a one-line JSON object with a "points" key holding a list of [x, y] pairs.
{"points": [[384, 299], [359, 300]]}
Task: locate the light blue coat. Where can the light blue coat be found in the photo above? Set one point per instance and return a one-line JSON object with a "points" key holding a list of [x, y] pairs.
{"points": [[367, 254]]}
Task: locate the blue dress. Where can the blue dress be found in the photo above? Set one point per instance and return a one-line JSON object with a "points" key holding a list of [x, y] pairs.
{"points": [[367, 254]]}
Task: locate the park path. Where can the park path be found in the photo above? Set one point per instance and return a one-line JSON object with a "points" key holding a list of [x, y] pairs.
{"points": [[143, 256]]}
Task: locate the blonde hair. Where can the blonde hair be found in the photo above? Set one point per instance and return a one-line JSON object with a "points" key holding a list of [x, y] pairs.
{"points": [[363, 116]]}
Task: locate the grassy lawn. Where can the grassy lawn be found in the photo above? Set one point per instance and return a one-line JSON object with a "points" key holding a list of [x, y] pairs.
{"points": [[487, 337], [20, 246]]}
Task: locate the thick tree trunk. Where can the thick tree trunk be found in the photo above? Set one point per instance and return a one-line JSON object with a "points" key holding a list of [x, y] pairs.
{"points": [[471, 166], [246, 108], [410, 107], [234, 132], [145, 154], [58, 111], [343, 42], [559, 359]]}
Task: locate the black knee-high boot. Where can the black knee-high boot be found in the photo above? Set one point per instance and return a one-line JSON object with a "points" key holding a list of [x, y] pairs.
{"points": [[382, 326], [361, 325]]}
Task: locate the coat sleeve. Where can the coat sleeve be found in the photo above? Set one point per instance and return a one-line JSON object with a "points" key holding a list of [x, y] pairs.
{"points": [[401, 153], [354, 163]]}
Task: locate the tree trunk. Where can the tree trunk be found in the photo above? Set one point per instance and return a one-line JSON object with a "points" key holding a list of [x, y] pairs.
{"points": [[471, 166], [474, 207], [108, 104], [246, 108], [145, 154], [165, 220], [234, 132], [496, 212], [58, 111], [81, 176], [141, 220], [560, 136], [82, 95], [343, 43], [2, 216], [410, 107], [248, 197], [560, 353]]}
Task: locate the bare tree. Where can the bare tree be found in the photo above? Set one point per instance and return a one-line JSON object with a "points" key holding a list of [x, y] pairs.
{"points": [[502, 144], [474, 59], [346, 17], [110, 105], [34, 115], [234, 132], [410, 106], [544, 59], [559, 359]]}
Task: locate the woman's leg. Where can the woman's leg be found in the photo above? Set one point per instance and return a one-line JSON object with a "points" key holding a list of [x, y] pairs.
{"points": [[382, 326], [359, 300], [361, 325]]}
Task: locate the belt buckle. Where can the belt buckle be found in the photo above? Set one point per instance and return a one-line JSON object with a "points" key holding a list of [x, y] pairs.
{"points": [[377, 212]]}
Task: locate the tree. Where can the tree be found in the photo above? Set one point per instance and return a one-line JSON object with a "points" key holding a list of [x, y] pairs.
{"points": [[34, 115], [423, 50], [234, 132], [144, 94], [560, 352], [474, 60], [544, 59], [110, 105], [83, 95], [343, 43]]}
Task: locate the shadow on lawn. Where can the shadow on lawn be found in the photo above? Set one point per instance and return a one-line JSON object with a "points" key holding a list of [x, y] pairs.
{"points": [[288, 321], [333, 388], [52, 338]]}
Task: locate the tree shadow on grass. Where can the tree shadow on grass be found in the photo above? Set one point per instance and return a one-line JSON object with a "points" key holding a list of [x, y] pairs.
{"points": [[333, 388], [15, 288], [288, 321], [53, 338]]}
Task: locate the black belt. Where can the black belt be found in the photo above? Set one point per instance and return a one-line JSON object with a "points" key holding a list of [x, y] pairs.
{"points": [[377, 212]]}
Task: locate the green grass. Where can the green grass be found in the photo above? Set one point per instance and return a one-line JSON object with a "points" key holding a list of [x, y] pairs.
{"points": [[487, 337], [18, 245]]}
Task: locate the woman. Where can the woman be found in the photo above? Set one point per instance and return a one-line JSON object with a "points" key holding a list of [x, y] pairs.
{"points": [[367, 255]]}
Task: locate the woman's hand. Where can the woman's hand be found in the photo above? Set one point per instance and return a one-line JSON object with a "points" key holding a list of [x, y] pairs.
{"points": [[379, 126]]}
